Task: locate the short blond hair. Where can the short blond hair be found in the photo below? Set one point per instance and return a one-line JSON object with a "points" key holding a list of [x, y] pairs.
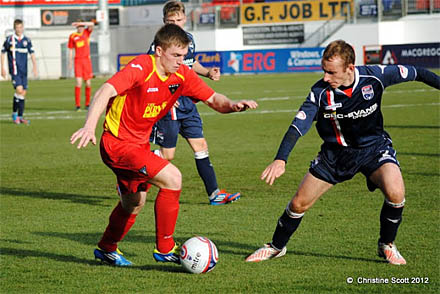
{"points": [[171, 34], [342, 49], [173, 7]]}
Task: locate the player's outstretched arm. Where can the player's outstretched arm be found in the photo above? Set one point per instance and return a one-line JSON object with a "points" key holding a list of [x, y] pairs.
{"points": [[87, 133], [277, 168], [273, 171], [427, 77], [223, 104], [212, 73]]}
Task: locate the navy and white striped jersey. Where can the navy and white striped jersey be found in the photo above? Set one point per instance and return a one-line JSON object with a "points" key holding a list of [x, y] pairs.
{"points": [[351, 119], [23, 46], [186, 105]]}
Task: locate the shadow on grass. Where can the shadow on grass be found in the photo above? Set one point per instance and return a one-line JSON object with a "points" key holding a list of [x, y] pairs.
{"points": [[75, 198], [92, 239], [320, 255], [22, 253]]}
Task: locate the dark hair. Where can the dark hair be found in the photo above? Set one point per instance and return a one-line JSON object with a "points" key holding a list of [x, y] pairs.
{"points": [[17, 22], [172, 7], [342, 49], [171, 34]]}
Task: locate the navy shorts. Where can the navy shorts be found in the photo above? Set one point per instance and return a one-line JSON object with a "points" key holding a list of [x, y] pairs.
{"points": [[165, 132], [19, 80], [338, 164]]}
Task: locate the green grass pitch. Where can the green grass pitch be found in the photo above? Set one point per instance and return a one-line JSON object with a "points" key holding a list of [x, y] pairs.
{"points": [[55, 201]]}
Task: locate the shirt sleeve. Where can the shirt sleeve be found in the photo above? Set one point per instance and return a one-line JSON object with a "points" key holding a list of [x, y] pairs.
{"points": [[5, 47], [428, 77], [30, 47], [306, 114], [70, 44], [195, 87], [396, 74], [131, 75]]}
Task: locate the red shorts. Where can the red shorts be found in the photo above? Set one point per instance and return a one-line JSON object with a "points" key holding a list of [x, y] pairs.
{"points": [[83, 68], [132, 164]]}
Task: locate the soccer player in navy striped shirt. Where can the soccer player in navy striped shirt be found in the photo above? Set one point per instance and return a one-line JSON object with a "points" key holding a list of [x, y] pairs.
{"points": [[345, 104], [17, 47]]}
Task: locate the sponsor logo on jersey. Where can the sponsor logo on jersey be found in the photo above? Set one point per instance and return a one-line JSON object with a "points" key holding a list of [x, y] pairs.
{"points": [[153, 110], [136, 66], [152, 90], [301, 115], [333, 106], [403, 71], [173, 88], [354, 114], [368, 92]]}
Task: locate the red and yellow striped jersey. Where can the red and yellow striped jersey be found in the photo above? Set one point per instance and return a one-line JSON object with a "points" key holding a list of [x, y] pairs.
{"points": [[81, 43], [144, 97]]}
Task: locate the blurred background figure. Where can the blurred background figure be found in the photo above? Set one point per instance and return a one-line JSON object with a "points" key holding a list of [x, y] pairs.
{"points": [[80, 42]]}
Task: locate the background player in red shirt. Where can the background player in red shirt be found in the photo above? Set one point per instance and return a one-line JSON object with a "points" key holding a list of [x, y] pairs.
{"points": [[80, 42], [136, 98]]}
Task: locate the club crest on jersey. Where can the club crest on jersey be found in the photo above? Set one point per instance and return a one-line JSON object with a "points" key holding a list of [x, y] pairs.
{"points": [[173, 88], [368, 92], [403, 71], [153, 110]]}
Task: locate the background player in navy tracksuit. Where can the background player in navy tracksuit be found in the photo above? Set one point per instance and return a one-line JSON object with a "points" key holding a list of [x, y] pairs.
{"points": [[346, 106], [17, 47], [185, 119]]}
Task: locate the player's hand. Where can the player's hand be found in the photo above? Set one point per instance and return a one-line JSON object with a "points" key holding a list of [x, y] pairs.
{"points": [[214, 73], [176, 104], [35, 72], [85, 136], [273, 171], [3, 73], [243, 105]]}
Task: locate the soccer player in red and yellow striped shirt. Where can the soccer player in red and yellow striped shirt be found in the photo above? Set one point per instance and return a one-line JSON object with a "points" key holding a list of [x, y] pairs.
{"points": [[135, 99], [80, 42]]}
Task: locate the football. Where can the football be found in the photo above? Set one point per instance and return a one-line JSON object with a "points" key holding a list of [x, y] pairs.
{"points": [[198, 255]]}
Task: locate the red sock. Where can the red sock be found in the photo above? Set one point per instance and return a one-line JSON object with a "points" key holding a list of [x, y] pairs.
{"points": [[120, 222], [88, 93], [166, 210], [78, 96]]}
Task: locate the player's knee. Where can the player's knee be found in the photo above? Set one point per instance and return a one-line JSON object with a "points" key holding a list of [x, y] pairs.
{"points": [[395, 193], [133, 203], [173, 178], [201, 154], [297, 206]]}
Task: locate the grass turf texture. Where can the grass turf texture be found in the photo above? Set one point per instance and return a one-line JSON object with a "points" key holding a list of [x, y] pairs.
{"points": [[55, 200]]}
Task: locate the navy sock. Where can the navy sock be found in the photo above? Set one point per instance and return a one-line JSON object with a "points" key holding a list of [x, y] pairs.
{"points": [[206, 172], [287, 225], [20, 107], [390, 219], [15, 101]]}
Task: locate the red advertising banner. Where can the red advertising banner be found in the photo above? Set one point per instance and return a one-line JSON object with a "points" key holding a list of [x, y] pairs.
{"points": [[54, 2]]}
